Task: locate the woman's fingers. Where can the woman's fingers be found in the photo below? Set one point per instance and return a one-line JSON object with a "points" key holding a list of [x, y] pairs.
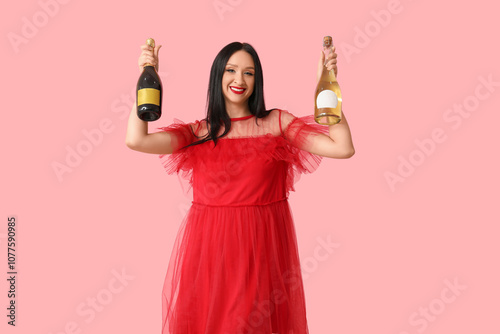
{"points": [[143, 59], [149, 55], [157, 49], [147, 50], [331, 64], [146, 47], [331, 55], [331, 61]]}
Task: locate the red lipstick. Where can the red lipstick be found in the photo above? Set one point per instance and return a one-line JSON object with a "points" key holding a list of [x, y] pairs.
{"points": [[237, 90]]}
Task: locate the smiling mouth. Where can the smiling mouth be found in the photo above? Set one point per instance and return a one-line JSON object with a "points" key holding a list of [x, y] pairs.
{"points": [[237, 90]]}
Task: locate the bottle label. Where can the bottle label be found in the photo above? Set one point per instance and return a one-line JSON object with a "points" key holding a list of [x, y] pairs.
{"points": [[327, 99], [148, 96]]}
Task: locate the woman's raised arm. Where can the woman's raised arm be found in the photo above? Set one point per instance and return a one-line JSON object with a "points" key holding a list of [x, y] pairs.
{"points": [[137, 137], [338, 144]]}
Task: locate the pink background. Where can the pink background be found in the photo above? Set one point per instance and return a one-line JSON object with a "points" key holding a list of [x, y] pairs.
{"points": [[398, 245]]}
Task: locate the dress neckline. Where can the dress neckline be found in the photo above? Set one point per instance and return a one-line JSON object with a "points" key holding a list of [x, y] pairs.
{"points": [[241, 118]]}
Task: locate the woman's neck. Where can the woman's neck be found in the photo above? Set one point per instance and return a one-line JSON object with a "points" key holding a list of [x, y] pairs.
{"points": [[237, 111]]}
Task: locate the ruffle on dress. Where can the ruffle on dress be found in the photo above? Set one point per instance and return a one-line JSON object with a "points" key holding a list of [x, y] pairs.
{"points": [[281, 136]]}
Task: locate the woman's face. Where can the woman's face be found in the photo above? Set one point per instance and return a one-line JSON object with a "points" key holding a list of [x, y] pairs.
{"points": [[239, 78]]}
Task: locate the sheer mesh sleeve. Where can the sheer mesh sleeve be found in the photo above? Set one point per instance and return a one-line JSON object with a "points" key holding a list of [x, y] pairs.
{"points": [[179, 160], [299, 133], [184, 134], [278, 136]]}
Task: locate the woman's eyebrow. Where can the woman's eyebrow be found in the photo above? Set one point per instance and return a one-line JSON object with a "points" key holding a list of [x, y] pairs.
{"points": [[237, 66]]}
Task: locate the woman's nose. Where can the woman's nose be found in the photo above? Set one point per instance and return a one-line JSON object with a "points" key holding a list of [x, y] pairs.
{"points": [[238, 78]]}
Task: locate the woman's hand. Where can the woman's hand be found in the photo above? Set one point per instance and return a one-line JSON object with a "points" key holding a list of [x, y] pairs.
{"points": [[149, 56], [331, 61]]}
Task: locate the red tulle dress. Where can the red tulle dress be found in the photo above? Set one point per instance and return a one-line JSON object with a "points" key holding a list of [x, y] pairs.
{"points": [[234, 268]]}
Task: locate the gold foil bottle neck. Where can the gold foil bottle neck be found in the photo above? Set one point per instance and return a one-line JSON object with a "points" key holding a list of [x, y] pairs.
{"points": [[151, 42], [327, 41]]}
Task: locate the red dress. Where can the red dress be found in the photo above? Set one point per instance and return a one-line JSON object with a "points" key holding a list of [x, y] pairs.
{"points": [[234, 268]]}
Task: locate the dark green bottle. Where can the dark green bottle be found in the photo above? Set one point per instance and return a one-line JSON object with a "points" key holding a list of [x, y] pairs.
{"points": [[149, 92]]}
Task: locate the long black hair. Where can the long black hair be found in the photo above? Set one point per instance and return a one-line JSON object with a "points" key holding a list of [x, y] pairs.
{"points": [[216, 106]]}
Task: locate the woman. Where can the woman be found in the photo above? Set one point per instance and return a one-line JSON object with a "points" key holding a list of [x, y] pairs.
{"points": [[235, 266]]}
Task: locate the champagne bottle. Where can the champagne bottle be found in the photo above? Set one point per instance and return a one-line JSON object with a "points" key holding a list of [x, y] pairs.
{"points": [[149, 92], [328, 101]]}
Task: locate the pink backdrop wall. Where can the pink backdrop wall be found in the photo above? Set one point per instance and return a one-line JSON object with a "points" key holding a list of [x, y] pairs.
{"points": [[400, 239]]}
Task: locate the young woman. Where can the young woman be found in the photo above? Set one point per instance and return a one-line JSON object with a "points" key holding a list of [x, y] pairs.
{"points": [[235, 267]]}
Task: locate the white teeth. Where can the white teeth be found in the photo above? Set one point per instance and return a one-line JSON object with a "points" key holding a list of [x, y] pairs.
{"points": [[237, 89]]}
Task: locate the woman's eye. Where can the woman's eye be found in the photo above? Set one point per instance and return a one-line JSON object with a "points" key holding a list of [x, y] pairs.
{"points": [[249, 73], [230, 70]]}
